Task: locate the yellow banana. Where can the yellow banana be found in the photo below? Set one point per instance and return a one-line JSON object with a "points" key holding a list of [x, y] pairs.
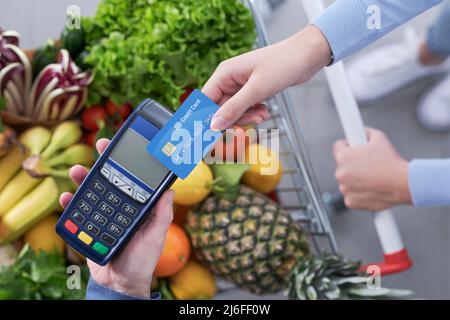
{"points": [[36, 139], [15, 190], [76, 154], [36, 205], [37, 168], [64, 135], [10, 164]]}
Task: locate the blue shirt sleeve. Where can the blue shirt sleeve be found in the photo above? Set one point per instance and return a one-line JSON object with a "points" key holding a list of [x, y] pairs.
{"points": [[96, 291], [429, 182], [348, 24]]}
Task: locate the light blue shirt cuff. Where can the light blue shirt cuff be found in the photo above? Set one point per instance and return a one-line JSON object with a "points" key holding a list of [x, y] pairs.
{"points": [[429, 182], [345, 22], [96, 291]]}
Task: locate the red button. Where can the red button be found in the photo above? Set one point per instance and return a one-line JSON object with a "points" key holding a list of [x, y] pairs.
{"points": [[72, 227]]}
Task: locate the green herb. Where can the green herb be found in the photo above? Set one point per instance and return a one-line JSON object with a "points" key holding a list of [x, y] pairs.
{"points": [[36, 276], [158, 48]]}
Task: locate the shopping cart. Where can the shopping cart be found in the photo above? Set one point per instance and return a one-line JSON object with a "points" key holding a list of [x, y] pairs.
{"points": [[298, 191], [309, 210]]}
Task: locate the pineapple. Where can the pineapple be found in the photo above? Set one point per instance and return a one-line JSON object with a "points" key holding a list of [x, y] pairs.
{"points": [[251, 241]]}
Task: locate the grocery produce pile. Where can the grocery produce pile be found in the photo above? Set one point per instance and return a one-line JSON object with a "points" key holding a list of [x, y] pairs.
{"points": [[56, 91], [34, 172], [56, 101], [156, 48]]}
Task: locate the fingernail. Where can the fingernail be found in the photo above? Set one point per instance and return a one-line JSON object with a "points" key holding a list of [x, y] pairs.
{"points": [[218, 123]]}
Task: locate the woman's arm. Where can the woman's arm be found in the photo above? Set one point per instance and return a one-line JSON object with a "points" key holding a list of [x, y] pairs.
{"points": [[96, 291], [350, 25], [241, 83], [429, 182]]}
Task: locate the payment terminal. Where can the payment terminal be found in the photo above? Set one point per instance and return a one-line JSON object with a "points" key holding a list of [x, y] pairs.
{"points": [[120, 189]]}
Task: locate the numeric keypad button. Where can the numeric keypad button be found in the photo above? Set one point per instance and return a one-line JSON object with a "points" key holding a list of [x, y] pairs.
{"points": [[105, 208], [99, 218], [91, 196], [106, 238], [92, 228], [115, 229], [125, 221], [115, 200], [84, 207], [129, 209], [99, 187], [78, 217]]}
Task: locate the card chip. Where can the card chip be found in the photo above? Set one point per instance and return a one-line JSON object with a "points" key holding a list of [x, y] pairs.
{"points": [[168, 149]]}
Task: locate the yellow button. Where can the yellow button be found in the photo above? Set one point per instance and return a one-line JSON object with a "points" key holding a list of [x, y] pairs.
{"points": [[83, 236]]}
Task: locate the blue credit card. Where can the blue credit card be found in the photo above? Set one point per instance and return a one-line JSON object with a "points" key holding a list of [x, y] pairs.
{"points": [[186, 138]]}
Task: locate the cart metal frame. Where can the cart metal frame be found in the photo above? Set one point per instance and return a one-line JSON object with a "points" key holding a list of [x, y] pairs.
{"points": [[299, 192]]}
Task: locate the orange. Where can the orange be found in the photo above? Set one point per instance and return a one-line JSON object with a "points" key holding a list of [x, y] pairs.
{"points": [[42, 236], [194, 281], [175, 253]]}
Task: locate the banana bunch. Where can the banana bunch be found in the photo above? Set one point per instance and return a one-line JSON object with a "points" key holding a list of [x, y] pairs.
{"points": [[35, 172], [7, 137]]}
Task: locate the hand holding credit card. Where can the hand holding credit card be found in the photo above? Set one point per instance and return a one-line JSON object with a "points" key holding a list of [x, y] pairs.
{"points": [[186, 138]]}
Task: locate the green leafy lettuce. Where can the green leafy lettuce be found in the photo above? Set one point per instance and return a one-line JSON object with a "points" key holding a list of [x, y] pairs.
{"points": [[157, 48], [36, 276]]}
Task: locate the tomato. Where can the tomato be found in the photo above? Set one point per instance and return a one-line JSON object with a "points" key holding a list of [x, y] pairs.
{"points": [[92, 117], [90, 138], [123, 110], [273, 195], [232, 145], [118, 124], [186, 94]]}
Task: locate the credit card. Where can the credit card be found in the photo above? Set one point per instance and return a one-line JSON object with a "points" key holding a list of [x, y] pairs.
{"points": [[186, 138]]}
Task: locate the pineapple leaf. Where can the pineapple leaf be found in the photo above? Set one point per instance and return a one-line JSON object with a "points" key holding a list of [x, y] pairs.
{"points": [[333, 277], [354, 280], [311, 293], [334, 294], [227, 176], [368, 293], [398, 293], [231, 173]]}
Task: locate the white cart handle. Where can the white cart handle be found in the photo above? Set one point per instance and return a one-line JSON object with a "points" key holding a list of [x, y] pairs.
{"points": [[396, 257]]}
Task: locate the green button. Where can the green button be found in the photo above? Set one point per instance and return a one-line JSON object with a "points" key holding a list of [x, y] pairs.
{"points": [[100, 248]]}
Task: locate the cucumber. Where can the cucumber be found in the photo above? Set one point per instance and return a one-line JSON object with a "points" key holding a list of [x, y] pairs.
{"points": [[44, 56], [73, 40]]}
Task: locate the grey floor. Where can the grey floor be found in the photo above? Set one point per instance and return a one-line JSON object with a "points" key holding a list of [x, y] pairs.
{"points": [[425, 231]]}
